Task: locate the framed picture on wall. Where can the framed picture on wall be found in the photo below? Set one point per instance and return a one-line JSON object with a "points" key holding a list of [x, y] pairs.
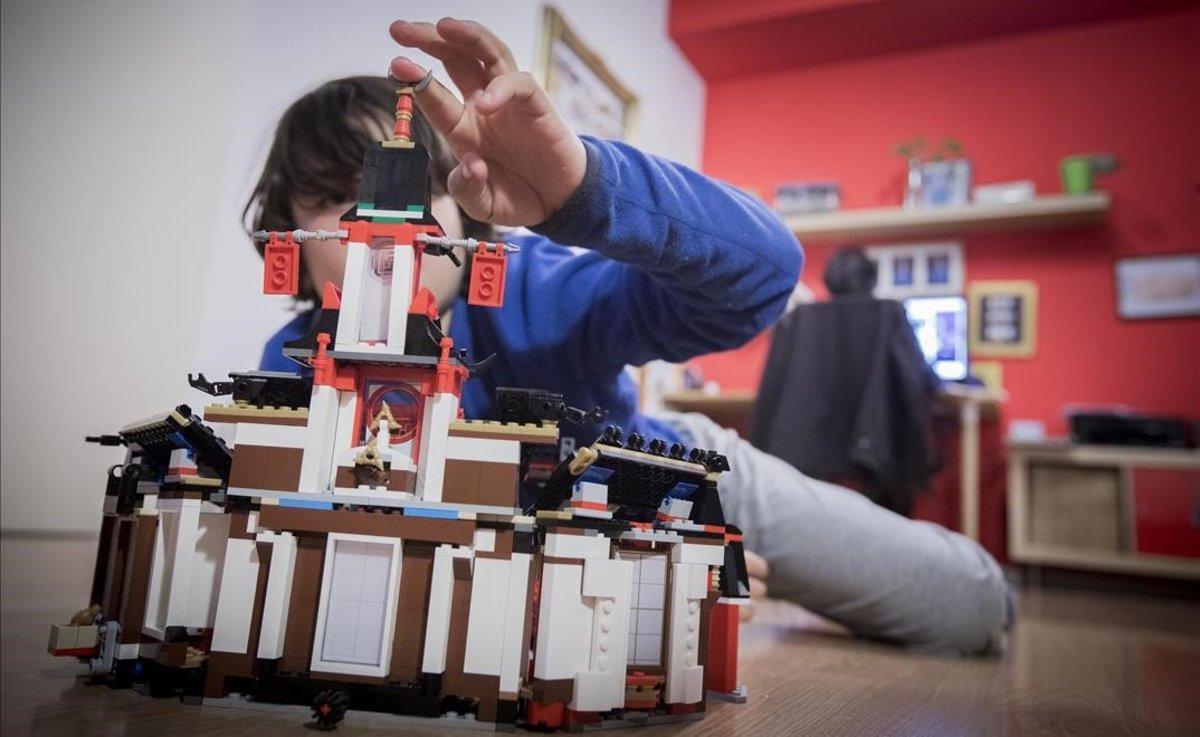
{"points": [[1003, 319], [1151, 287], [583, 90], [918, 270]]}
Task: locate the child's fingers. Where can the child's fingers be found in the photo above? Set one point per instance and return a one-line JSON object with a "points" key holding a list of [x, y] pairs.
{"points": [[758, 588], [468, 184], [756, 566], [441, 108], [746, 612], [479, 42], [464, 69], [518, 87]]}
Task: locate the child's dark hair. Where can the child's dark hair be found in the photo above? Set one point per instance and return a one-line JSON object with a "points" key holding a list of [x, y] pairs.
{"points": [[317, 154]]}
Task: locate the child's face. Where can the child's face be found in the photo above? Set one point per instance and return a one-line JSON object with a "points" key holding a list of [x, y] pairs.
{"points": [[326, 260]]}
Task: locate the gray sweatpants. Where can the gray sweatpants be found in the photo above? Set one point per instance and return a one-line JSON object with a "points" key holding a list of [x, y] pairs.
{"points": [[836, 553]]}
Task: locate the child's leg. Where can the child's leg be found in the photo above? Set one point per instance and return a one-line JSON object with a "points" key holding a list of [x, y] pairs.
{"points": [[833, 551]]}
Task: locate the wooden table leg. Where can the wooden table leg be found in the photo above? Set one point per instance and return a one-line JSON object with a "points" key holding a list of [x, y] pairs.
{"points": [[968, 418]]}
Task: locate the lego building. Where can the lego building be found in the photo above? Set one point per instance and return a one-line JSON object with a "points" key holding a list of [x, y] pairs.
{"points": [[347, 540]]}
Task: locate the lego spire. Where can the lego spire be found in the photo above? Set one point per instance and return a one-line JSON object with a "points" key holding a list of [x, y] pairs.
{"points": [[402, 133]]}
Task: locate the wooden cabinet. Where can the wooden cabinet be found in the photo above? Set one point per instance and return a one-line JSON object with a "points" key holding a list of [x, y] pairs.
{"points": [[1086, 506]]}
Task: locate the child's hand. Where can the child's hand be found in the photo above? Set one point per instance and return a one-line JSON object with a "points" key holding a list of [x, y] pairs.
{"points": [[518, 160], [756, 567]]}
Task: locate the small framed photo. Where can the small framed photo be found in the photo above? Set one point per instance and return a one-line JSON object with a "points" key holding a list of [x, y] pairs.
{"points": [[1003, 318], [584, 92], [918, 270], [1150, 287], [937, 267]]}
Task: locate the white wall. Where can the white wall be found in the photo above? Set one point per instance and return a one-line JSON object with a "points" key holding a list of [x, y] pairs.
{"points": [[141, 125]]}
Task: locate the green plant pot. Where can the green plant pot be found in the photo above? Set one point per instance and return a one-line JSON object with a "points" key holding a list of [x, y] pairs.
{"points": [[1076, 174]]}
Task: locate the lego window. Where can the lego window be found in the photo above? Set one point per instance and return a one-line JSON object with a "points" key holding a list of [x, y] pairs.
{"points": [[646, 606], [376, 289], [402, 402], [356, 619]]}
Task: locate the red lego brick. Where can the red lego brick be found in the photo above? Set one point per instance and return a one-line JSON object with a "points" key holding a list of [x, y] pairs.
{"points": [[331, 297], [281, 265], [720, 673], [487, 278], [545, 715]]}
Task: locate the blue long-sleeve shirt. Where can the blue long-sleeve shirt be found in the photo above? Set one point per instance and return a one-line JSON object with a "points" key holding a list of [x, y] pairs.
{"points": [[676, 265]]}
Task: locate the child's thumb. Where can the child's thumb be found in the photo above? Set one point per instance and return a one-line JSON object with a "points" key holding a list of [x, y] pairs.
{"points": [[468, 185]]}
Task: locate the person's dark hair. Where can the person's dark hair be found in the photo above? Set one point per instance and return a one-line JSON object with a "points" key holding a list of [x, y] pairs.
{"points": [[850, 272], [317, 154]]}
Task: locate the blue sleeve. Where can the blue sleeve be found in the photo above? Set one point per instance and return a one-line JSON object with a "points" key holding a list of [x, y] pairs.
{"points": [[691, 265]]}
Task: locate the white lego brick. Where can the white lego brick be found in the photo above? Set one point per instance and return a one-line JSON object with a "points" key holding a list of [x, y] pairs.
{"points": [[709, 555], [170, 574], [177, 505], [564, 623], [437, 620], [485, 623], [208, 559], [698, 579], [226, 431], [277, 597], [401, 297], [346, 437], [606, 578], [350, 312], [485, 541], [271, 436], [440, 411], [235, 602], [685, 678], [602, 686], [128, 651], [252, 521], [490, 450], [318, 444], [591, 492], [514, 649], [180, 465], [576, 546], [680, 508]]}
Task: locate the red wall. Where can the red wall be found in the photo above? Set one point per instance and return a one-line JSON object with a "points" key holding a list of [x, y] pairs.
{"points": [[1018, 104]]}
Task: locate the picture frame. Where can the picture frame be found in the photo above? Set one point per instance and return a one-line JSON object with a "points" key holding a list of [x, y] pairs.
{"points": [[1002, 316], [1157, 286], [580, 85], [918, 270]]}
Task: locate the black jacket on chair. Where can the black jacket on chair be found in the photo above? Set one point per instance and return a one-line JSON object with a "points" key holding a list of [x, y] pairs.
{"points": [[846, 392]]}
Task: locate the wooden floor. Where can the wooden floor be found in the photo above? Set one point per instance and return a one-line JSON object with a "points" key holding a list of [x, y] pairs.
{"points": [[1076, 664]]}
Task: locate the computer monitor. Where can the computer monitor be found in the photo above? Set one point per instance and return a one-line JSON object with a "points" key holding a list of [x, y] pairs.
{"points": [[941, 327]]}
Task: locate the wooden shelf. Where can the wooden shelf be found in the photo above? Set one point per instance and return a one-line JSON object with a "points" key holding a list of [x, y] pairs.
{"points": [[1050, 211]]}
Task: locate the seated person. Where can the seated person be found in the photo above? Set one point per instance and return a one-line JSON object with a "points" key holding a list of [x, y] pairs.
{"points": [[845, 394], [673, 265]]}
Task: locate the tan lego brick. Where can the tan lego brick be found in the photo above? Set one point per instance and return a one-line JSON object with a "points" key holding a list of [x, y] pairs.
{"points": [[261, 415]]}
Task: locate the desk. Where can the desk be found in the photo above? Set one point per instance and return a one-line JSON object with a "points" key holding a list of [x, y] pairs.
{"points": [[733, 410], [1077, 664]]}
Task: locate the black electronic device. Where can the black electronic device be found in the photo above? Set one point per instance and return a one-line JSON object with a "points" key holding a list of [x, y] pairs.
{"points": [[1117, 428]]}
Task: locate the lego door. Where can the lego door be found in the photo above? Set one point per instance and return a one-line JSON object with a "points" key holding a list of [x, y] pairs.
{"points": [[356, 615], [646, 607]]}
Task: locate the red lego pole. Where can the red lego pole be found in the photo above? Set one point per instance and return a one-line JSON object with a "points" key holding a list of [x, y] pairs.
{"points": [[720, 674]]}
